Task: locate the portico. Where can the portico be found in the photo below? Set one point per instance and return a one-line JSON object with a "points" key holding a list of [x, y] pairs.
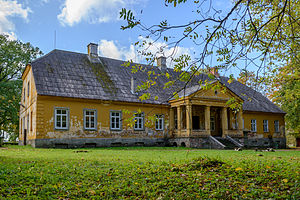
{"points": [[205, 112]]}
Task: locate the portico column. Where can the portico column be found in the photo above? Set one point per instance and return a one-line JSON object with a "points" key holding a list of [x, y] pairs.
{"points": [[178, 120], [171, 118], [207, 119], [240, 120], [189, 119], [224, 122]]}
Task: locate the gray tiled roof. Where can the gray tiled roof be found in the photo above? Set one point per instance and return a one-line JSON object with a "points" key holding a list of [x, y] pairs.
{"points": [[69, 74]]}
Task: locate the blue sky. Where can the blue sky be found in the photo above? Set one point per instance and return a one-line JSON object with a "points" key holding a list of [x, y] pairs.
{"points": [[79, 22]]}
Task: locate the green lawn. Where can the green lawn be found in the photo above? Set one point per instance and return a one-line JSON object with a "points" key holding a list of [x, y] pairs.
{"points": [[147, 173]]}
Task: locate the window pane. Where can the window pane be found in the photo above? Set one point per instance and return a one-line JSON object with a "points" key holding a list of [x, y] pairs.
{"points": [[58, 111], [64, 124], [63, 112]]}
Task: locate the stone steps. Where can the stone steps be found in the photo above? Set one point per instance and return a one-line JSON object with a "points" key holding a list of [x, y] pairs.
{"points": [[227, 143]]}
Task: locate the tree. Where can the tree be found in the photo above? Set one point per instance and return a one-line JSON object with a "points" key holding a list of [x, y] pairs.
{"points": [[259, 38], [10, 96], [14, 55], [287, 95]]}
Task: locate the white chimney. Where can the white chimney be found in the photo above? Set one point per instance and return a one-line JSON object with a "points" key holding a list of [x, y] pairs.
{"points": [[93, 52], [133, 85], [162, 62]]}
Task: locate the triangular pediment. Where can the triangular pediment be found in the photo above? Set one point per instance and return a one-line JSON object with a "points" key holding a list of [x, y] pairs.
{"points": [[213, 93]]}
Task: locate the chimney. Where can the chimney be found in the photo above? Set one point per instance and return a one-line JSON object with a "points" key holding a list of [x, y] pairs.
{"points": [[162, 62], [93, 52], [214, 71], [133, 87]]}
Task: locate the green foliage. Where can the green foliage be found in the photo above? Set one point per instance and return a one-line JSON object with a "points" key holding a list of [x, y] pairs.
{"points": [[14, 55], [287, 95], [10, 96], [264, 34], [147, 173]]}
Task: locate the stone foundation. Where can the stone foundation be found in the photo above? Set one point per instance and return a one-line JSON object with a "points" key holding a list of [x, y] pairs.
{"points": [[193, 142], [278, 143], [95, 142]]}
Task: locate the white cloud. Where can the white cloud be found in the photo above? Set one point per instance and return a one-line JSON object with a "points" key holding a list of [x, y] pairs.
{"points": [[112, 49], [109, 49], [92, 11], [11, 9]]}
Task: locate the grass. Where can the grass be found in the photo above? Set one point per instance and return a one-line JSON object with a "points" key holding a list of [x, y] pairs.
{"points": [[147, 173]]}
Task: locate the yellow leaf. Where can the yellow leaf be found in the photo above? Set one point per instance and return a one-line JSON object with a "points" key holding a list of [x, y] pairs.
{"points": [[238, 169], [285, 180]]}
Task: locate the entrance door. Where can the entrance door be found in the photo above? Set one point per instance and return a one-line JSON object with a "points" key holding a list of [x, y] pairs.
{"points": [[298, 142], [25, 137], [215, 123], [196, 122]]}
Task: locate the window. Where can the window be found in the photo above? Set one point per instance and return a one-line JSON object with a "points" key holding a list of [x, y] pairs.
{"points": [[90, 119], [27, 122], [159, 122], [139, 121], [61, 118], [31, 121], [28, 89], [23, 127], [115, 120], [276, 126], [253, 125], [265, 125], [212, 123], [175, 120], [24, 93]]}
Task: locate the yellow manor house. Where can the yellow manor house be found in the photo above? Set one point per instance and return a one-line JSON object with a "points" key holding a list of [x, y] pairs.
{"points": [[72, 100]]}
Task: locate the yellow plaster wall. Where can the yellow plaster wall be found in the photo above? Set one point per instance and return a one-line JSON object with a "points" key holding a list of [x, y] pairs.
{"points": [[45, 118], [260, 116], [29, 106]]}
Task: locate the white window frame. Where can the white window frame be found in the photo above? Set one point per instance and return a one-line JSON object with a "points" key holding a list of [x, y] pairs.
{"points": [[90, 119], [67, 115], [159, 122], [212, 124], [253, 125], [266, 125], [139, 121], [116, 119], [276, 126]]}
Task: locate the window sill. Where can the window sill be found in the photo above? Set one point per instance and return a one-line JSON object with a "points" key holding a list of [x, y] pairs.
{"points": [[115, 129], [86, 129], [61, 129]]}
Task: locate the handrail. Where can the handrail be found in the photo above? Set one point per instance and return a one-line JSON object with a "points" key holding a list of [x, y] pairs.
{"points": [[217, 141], [234, 141]]}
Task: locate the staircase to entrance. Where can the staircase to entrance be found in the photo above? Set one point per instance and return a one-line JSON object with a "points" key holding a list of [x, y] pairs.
{"points": [[228, 143]]}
